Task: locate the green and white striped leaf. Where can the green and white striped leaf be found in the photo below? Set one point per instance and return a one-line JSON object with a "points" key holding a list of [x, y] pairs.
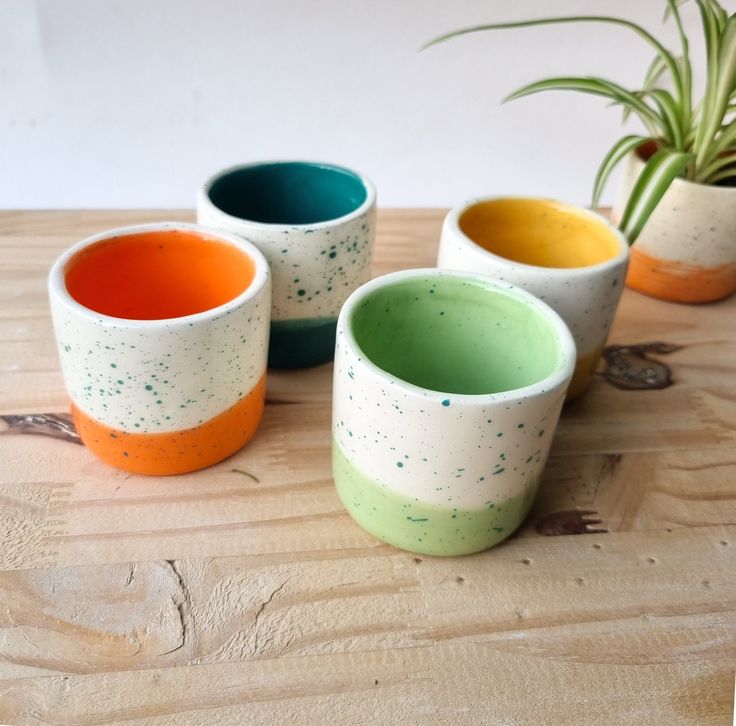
{"points": [[716, 166], [668, 58], [712, 35], [595, 87], [726, 85], [720, 13], [670, 113], [668, 10], [685, 96], [654, 72], [656, 68], [663, 167], [618, 151], [719, 88], [711, 30], [725, 141], [728, 173]]}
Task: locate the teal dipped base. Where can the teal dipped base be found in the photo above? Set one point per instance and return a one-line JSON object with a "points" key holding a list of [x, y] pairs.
{"points": [[301, 343]]}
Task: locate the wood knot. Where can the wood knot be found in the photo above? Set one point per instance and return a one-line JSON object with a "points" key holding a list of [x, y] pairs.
{"points": [[570, 521], [629, 366], [53, 425]]}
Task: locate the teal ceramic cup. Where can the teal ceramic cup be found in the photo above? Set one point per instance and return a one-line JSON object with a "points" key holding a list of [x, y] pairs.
{"points": [[315, 224], [447, 391]]}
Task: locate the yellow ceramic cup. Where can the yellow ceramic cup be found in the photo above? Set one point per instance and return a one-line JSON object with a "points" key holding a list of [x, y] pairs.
{"points": [[570, 257]]}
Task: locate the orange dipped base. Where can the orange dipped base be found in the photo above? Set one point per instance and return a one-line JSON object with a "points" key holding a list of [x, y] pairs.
{"points": [[175, 452], [677, 281]]}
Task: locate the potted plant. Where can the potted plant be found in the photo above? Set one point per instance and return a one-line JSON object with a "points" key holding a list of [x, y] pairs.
{"points": [[678, 187]]}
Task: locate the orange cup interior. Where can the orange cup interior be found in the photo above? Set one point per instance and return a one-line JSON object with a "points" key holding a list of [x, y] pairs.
{"points": [[158, 274]]}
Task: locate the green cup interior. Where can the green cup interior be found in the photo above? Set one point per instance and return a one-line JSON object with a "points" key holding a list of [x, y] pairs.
{"points": [[288, 193], [456, 335]]}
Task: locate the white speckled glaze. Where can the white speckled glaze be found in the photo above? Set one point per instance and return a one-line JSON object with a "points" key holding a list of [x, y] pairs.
{"points": [[585, 297], [442, 451], [314, 266], [691, 234], [151, 377]]}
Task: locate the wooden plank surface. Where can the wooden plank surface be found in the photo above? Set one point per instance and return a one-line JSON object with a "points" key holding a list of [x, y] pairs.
{"points": [[245, 594]]}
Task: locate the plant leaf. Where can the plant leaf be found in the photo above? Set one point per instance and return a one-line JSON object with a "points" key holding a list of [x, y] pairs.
{"points": [[721, 175], [712, 40], [654, 72], [594, 86], [725, 142], [662, 168], [726, 66], [726, 139], [656, 68], [685, 66], [617, 152], [720, 14], [671, 114], [641, 32], [711, 29], [706, 175], [720, 86], [668, 10]]}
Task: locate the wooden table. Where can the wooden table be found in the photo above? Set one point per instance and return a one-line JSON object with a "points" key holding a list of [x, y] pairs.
{"points": [[245, 593]]}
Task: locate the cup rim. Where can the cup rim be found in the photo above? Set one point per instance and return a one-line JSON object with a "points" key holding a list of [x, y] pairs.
{"points": [[452, 223], [205, 200], [58, 290], [556, 378]]}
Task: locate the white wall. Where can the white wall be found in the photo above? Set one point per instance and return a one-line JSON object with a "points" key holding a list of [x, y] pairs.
{"points": [[131, 103]]}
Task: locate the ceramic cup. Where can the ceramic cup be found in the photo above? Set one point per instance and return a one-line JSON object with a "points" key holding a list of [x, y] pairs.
{"points": [[162, 331], [315, 225], [447, 391], [570, 257]]}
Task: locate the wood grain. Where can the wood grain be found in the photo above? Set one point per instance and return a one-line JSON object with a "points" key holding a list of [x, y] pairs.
{"points": [[245, 594]]}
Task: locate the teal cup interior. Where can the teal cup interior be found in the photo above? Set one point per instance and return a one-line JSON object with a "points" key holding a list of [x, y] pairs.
{"points": [[288, 193], [283, 198]]}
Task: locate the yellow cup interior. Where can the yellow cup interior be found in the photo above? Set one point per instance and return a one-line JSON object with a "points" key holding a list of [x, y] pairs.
{"points": [[539, 232]]}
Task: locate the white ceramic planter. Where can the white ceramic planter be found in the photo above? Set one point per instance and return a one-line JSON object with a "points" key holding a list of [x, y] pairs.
{"points": [[687, 249], [315, 224], [586, 296], [168, 394], [447, 391]]}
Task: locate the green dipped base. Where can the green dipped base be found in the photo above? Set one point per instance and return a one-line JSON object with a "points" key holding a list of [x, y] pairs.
{"points": [[425, 528], [301, 343]]}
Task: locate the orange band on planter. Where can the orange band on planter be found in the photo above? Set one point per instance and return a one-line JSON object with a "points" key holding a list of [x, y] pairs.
{"points": [[678, 281], [176, 452]]}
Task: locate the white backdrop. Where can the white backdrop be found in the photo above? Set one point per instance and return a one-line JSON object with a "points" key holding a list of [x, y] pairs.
{"points": [[131, 103]]}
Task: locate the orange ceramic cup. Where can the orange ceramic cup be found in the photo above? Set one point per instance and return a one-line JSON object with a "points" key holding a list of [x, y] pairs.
{"points": [[162, 332]]}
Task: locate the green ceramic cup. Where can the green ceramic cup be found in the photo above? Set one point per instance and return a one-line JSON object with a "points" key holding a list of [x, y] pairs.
{"points": [[447, 391]]}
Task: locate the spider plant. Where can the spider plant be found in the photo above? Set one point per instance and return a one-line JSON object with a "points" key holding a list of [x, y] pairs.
{"points": [[695, 141]]}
